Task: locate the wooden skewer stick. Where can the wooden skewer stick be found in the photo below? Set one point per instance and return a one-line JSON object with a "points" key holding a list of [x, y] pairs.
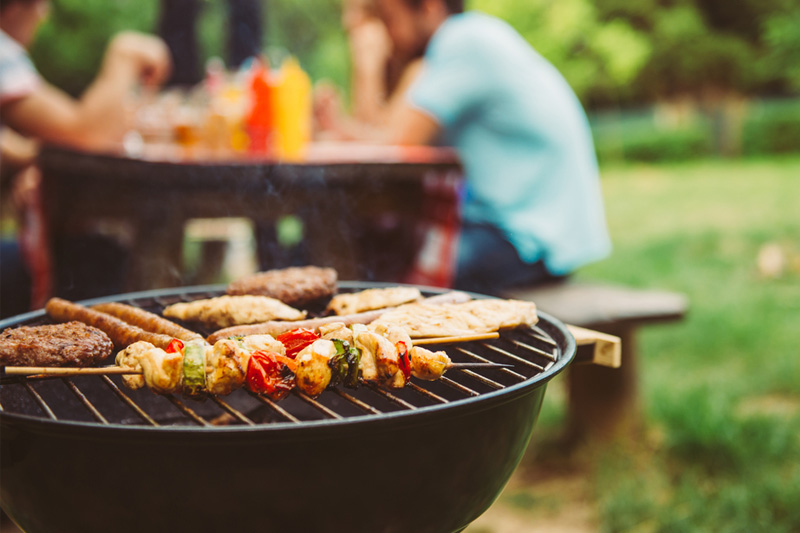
{"points": [[42, 371], [67, 371], [456, 338], [478, 365]]}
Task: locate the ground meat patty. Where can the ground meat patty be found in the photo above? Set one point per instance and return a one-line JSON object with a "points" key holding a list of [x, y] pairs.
{"points": [[67, 344], [295, 286]]}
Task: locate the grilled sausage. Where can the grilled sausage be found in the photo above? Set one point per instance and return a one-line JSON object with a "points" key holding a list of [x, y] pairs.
{"points": [[146, 320], [69, 344], [276, 327], [121, 333]]}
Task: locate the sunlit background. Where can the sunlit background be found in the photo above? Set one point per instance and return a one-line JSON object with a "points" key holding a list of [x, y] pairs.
{"points": [[695, 109]]}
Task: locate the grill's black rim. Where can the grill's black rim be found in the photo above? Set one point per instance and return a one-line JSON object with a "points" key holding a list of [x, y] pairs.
{"points": [[554, 328]]}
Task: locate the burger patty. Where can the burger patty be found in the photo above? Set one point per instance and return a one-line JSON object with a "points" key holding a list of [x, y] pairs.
{"points": [[295, 286], [67, 344]]}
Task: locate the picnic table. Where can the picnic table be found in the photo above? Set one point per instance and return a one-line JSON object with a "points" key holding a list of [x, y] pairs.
{"points": [[337, 191]]}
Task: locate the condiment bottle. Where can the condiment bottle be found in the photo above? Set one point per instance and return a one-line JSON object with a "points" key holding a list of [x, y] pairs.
{"points": [[292, 111], [261, 120]]}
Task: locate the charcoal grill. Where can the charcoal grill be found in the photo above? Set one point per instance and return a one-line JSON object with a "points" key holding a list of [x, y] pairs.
{"points": [[86, 454]]}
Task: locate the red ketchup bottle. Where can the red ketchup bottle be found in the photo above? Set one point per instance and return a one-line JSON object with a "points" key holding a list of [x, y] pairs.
{"points": [[261, 118]]}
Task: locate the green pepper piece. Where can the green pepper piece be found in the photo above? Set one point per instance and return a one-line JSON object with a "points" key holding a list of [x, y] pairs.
{"points": [[353, 361], [194, 369], [338, 363]]}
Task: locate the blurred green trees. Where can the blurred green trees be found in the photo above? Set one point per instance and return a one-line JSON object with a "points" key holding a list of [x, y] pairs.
{"points": [[613, 52], [631, 51], [70, 44]]}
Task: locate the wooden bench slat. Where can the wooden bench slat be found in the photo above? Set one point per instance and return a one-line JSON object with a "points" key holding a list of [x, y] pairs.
{"points": [[593, 305]]}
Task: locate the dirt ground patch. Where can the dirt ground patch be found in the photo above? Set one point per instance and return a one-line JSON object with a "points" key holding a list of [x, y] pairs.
{"points": [[542, 500]]}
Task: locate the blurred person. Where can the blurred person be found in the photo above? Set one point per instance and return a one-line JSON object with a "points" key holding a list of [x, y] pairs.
{"points": [[370, 53], [36, 109], [533, 209], [380, 77], [32, 110]]}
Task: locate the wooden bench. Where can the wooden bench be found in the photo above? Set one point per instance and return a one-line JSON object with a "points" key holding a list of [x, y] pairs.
{"points": [[604, 402]]}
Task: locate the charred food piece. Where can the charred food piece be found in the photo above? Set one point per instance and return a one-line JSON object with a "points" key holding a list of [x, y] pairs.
{"points": [[227, 311], [369, 299], [295, 286], [67, 344]]}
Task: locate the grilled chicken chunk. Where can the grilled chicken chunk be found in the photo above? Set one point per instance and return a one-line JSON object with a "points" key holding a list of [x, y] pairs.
{"points": [[369, 299], [368, 365], [395, 334], [226, 366], [383, 354], [426, 364], [226, 311], [264, 343], [336, 330], [163, 372], [313, 373], [129, 358], [402, 342]]}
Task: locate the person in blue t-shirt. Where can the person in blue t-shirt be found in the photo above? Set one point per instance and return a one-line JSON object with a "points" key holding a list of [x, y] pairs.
{"points": [[533, 209]]}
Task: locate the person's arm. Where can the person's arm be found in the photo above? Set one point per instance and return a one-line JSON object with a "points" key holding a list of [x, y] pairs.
{"points": [[369, 49], [98, 118], [401, 123], [410, 127], [16, 151]]}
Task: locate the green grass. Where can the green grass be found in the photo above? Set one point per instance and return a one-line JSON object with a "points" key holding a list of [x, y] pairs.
{"points": [[721, 389]]}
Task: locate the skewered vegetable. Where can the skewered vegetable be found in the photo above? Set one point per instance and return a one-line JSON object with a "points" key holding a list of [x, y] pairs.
{"points": [[296, 340], [271, 374], [194, 369]]}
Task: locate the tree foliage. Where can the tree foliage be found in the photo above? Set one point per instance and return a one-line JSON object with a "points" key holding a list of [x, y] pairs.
{"points": [[69, 46], [629, 51], [613, 52], [782, 36], [599, 59]]}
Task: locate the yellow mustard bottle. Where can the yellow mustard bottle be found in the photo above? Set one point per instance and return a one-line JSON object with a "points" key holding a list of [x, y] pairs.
{"points": [[293, 111]]}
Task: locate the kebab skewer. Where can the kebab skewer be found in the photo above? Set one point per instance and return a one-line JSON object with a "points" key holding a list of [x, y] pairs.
{"points": [[303, 358], [308, 360]]}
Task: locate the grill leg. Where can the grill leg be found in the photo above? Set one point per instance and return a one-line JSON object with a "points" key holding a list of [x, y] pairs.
{"points": [[604, 402]]}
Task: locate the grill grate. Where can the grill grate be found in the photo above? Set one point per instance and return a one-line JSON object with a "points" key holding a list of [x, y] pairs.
{"points": [[103, 400]]}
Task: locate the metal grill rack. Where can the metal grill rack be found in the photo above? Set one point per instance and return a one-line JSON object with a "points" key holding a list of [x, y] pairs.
{"points": [[103, 400]]}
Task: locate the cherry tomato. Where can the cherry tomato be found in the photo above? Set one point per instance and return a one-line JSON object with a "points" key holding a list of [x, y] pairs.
{"points": [[271, 374], [297, 339], [175, 346]]}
